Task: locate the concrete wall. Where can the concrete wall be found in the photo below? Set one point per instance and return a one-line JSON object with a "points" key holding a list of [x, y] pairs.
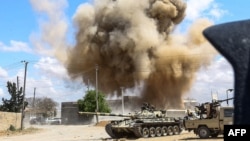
{"points": [[70, 116], [9, 118]]}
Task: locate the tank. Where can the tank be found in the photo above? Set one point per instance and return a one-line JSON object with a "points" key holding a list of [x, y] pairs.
{"points": [[148, 122]]}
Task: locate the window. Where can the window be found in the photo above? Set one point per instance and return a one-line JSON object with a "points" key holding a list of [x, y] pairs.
{"points": [[228, 112]]}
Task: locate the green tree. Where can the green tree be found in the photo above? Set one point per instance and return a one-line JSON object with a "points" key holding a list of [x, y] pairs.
{"points": [[15, 103], [88, 103]]}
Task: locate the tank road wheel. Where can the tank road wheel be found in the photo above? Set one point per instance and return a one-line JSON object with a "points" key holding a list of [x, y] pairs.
{"points": [[170, 130], [203, 132], [158, 131], [145, 132], [176, 130], [152, 132], [164, 131]]}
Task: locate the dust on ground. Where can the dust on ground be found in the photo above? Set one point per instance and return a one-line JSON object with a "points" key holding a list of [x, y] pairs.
{"points": [[14, 132], [93, 132], [102, 123]]}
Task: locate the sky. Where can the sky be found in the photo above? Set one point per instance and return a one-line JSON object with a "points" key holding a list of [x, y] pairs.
{"points": [[23, 37]]}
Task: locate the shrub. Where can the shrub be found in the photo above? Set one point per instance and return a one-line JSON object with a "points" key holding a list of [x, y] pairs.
{"points": [[12, 128]]}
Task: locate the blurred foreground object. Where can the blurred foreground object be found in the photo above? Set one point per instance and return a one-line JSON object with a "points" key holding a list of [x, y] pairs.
{"points": [[232, 40]]}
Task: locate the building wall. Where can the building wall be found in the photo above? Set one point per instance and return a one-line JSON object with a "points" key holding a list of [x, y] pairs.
{"points": [[70, 116], [131, 104], [69, 110], [9, 118], [190, 104]]}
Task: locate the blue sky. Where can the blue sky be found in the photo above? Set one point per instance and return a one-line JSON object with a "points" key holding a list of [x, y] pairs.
{"points": [[20, 24]]}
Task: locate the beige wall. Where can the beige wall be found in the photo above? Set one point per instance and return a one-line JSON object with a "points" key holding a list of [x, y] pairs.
{"points": [[9, 118]]}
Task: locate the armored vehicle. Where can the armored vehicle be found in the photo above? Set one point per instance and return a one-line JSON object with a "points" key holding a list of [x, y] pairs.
{"points": [[211, 119], [148, 122]]}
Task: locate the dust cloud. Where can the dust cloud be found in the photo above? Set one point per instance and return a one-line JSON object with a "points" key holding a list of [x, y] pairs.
{"points": [[131, 43], [51, 40]]}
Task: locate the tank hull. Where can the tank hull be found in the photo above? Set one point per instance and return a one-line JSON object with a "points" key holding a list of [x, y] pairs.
{"points": [[148, 122], [143, 129]]}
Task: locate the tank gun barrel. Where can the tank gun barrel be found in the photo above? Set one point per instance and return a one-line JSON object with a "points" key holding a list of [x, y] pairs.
{"points": [[104, 114]]}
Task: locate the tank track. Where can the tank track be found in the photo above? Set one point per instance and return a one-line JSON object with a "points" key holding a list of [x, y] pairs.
{"points": [[170, 130], [108, 129], [137, 131], [113, 134]]}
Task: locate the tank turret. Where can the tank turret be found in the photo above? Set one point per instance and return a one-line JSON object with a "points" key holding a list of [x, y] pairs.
{"points": [[148, 122]]}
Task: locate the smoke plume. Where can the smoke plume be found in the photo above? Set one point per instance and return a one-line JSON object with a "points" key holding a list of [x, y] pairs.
{"points": [[51, 40], [132, 43]]}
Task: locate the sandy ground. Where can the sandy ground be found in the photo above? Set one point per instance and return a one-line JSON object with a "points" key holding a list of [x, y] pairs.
{"points": [[88, 133]]}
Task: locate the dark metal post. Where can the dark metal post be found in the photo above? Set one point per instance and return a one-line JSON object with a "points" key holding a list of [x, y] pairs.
{"points": [[227, 94], [122, 100], [97, 106], [34, 98]]}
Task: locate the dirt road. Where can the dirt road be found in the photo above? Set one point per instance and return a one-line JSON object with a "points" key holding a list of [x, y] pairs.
{"points": [[88, 133]]}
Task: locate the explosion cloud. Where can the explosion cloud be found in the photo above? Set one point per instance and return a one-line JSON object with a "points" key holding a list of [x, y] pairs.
{"points": [[132, 44]]}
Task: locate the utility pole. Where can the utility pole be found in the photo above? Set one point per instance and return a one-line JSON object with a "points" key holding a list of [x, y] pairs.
{"points": [[230, 90], [96, 96], [17, 83], [26, 63], [122, 100], [88, 84], [34, 102]]}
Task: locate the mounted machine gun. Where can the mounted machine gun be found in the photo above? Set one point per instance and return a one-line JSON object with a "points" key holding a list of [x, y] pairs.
{"points": [[210, 109], [211, 119]]}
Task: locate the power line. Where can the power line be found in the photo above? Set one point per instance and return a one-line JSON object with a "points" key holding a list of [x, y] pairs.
{"points": [[12, 65]]}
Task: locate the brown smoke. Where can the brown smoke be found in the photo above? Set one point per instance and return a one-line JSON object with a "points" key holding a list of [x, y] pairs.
{"points": [[131, 42]]}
